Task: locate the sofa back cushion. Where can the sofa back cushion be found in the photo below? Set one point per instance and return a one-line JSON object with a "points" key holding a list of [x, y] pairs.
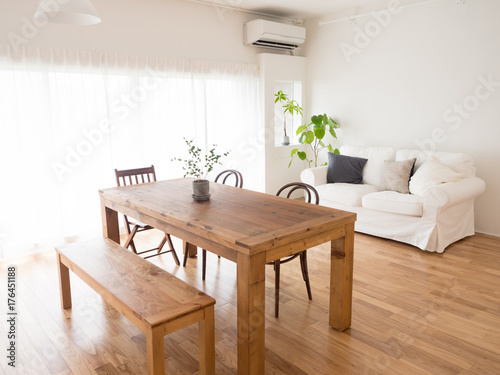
{"points": [[372, 172], [459, 162]]}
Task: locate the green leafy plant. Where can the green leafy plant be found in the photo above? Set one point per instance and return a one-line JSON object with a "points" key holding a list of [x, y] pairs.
{"points": [[312, 134], [197, 165], [289, 106]]}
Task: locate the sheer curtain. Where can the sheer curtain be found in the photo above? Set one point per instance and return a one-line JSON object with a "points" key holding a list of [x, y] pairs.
{"points": [[68, 118]]}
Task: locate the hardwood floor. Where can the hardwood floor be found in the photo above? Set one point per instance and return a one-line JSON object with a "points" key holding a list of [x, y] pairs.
{"points": [[413, 313]]}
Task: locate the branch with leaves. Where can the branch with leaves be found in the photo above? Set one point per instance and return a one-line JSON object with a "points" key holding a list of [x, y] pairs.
{"points": [[290, 107], [198, 166], [312, 134]]}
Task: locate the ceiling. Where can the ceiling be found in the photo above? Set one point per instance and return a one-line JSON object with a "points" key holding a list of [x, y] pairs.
{"points": [[294, 8]]}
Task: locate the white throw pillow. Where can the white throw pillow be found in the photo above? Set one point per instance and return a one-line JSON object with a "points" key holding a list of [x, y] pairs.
{"points": [[432, 173]]}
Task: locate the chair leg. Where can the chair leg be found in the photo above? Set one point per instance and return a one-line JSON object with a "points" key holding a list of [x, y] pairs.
{"points": [[276, 288], [162, 243], [130, 240], [169, 239], [305, 273], [204, 264], [186, 254], [174, 253]]}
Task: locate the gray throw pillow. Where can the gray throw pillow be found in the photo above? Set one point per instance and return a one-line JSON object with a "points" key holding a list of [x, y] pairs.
{"points": [[396, 175], [347, 169]]}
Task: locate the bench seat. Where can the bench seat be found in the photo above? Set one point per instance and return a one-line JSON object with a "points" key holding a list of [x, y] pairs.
{"points": [[155, 301]]}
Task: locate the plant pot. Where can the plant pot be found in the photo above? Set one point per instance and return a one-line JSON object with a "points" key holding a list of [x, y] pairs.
{"points": [[201, 190], [286, 140]]}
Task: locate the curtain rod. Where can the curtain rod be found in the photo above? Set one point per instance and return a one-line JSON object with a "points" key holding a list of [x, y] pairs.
{"points": [[349, 18], [298, 21]]}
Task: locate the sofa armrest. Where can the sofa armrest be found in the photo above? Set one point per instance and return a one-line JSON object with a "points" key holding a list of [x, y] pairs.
{"points": [[314, 176], [452, 193]]}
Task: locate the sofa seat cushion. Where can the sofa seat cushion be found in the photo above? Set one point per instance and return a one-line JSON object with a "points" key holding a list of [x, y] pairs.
{"points": [[347, 194], [394, 202]]}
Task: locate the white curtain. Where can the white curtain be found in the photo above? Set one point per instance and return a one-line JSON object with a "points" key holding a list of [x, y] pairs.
{"points": [[69, 118]]}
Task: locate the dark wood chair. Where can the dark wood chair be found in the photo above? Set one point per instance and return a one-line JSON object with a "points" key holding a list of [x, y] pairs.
{"points": [[311, 196], [141, 176], [223, 176]]}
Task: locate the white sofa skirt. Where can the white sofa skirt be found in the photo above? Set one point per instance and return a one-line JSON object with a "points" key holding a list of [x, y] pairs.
{"points": [[426, 234]]}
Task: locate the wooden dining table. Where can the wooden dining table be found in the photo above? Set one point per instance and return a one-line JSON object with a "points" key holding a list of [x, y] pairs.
{"points": [[251, 229]]}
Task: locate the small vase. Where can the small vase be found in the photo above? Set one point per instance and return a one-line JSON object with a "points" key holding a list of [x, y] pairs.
{"points": [[286, 140], [201, 190]]}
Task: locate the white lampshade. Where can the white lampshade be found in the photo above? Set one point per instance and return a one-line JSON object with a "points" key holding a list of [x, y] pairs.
{"points": [[70, 12]]}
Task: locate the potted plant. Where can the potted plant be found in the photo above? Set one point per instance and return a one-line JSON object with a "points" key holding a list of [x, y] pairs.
{"points": [[289, 106], [312, 134], [198, 167]]}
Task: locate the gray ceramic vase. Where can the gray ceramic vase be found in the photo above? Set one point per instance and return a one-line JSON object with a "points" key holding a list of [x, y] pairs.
{"points": [[201, 190]]}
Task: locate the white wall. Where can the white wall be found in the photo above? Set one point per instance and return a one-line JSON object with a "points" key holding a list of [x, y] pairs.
{"points": [[399, 86], [171, 28]]}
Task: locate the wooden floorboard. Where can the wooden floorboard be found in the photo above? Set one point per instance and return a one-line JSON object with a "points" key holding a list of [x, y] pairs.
{"points": [[413, 313]]}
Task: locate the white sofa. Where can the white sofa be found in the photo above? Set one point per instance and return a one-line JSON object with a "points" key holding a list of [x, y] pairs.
{"points": [[443, 215]]}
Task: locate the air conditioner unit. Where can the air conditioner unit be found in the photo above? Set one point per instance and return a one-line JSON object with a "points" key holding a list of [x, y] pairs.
{"points": [[262, 33]]}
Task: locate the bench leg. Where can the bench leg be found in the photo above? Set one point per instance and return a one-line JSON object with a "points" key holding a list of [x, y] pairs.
{"points": [[207, 342], [155, 350], [64, 285]]}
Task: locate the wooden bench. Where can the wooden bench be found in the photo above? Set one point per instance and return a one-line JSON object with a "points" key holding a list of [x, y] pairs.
{"points": [[154, 300]]}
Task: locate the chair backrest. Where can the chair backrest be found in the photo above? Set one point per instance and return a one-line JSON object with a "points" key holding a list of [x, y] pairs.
{"points": [[228, 173], [135, 176], [309, 191]]}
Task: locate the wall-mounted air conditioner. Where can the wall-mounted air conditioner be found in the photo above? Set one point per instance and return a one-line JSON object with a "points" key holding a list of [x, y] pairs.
{"points": [[261, 33]]}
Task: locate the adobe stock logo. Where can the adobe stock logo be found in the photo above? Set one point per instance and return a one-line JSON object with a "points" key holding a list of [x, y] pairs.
{"points": [[471, 103], [372, 29], [31, 28], [458, 112]]}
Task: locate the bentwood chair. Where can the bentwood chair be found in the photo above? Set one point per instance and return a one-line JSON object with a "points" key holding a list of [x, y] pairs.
{"points": [[133, 177], [223, 176], [311, 196]]}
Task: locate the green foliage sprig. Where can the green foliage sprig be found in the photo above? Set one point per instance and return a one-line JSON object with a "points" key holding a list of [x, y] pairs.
{"points": [[198, 166], [312, 134], [290, 107]]}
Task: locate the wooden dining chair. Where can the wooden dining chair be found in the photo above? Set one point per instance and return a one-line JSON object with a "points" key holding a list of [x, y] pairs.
{"points": [[311, 196], [223, 176], [136, 176]]}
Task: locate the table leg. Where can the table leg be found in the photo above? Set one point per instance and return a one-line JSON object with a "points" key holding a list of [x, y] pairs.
{"points": [[64, 283], [206, 330], [110, 228], [342, 256], [251, 313], [155, 350]]}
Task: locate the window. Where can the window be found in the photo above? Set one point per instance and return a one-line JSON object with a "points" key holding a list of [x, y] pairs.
{"points": [[70, 119]]}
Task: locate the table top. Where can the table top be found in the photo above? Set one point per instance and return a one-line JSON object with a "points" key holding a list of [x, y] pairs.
{"points": [[246, 220]]}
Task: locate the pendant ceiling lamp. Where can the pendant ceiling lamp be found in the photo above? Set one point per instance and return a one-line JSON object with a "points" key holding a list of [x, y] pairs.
{"points": [[69, 12]]}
